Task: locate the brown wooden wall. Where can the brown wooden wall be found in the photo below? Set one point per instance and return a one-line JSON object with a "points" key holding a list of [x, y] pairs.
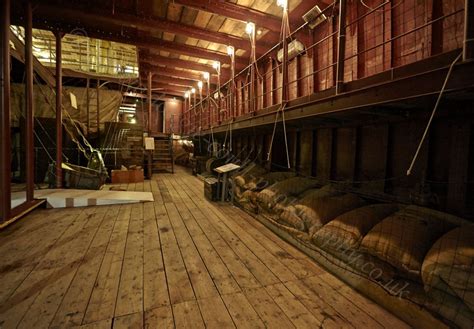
{"points": [[373, 158]]}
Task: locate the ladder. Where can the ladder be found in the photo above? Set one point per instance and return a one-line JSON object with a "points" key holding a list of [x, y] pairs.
{"points": [[163, 159]]}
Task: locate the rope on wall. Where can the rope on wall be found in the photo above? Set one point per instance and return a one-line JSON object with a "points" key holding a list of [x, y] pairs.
{"points": [[425, 133]]}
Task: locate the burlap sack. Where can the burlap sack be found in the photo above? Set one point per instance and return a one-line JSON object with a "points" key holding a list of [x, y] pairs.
{"points": [[450, 261], [404, 238], [348, 229], [280, 191], [322, 210], [290, 216]]}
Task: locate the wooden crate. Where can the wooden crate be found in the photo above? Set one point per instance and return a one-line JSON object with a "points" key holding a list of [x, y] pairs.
{"points": [[127, 176]]}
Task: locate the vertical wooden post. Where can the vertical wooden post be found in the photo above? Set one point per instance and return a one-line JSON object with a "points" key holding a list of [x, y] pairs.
{"points": [[284, 84], [59, 118], [468, 49], [5, 143], [30, 171], [98, 111], [341, 46], [150, 77], [88, 107], [458, 166]]}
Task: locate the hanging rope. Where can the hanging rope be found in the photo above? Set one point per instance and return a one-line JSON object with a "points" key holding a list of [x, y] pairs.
{"points": [[425, 133], [284, 32]]}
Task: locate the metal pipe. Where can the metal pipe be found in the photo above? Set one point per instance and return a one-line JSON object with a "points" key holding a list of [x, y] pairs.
{"points": [[59, 119], [150, 77], [284, 94], [209, 100], [219, 102], [30, 173], [88, 107], [341, 47], [5, 143], [98, 111], [468, 46]]}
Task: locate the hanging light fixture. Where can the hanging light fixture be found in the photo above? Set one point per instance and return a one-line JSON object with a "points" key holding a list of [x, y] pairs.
{"points": [[283, 4], [200, 85], [193, 90], [206, 75], [230, 50], [250, 28]]}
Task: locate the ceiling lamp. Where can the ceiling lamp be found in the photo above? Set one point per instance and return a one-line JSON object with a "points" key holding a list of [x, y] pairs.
{"points": [[206, 75], [193, 90], [216, 65], [230, 50], [250, 27], [186, 94], [283, 4], [200, 84]]}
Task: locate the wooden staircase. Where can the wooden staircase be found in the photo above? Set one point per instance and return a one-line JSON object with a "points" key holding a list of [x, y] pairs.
{"points": [[163, 159]]}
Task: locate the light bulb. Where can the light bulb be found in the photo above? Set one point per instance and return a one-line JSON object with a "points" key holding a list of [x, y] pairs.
{"points": [[250, 27], [216, 65], [200, 84], [193, 90], [206, 75], [282, 3], [186, 94], [230, 50]]}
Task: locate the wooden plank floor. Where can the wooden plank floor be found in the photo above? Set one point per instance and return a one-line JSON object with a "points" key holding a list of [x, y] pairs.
{"points": [[180, 261]]}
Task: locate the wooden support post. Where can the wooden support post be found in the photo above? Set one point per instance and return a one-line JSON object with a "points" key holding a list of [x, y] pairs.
{"points": [[5, 143], [284, 84], [30, 167], [468, 49], [341, 47], [98, 112], [150, 77], [88, 107], [437, 28], [59, 118], [458, 166]]}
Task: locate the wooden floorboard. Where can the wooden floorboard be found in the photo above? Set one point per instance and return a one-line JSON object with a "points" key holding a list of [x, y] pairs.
{"points": [[179, 261]]}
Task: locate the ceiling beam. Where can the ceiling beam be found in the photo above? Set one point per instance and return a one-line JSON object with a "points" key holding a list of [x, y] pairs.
{"points": [[154, 96], [171, 72], [234, 11], [178, 90], [183, 49], [173, 81], [154, 60], [90, 18], [146, 42]]}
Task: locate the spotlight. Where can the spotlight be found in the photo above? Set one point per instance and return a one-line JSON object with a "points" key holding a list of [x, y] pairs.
{"points": [[250, 28], [283, 4]]}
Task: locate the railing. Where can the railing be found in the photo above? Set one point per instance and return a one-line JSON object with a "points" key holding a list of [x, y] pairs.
{"points": [[81, 53], [376, 36]]}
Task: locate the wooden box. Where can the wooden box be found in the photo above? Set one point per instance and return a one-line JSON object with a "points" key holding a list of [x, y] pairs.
{"points": [[127, 176]]}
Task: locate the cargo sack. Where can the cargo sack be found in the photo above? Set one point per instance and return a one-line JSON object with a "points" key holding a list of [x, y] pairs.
{"points": [[404, 238], [250, 172], [290, 215], [280, 191], [268, 179], [450, 261], [324, 209], [348, 229]]}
